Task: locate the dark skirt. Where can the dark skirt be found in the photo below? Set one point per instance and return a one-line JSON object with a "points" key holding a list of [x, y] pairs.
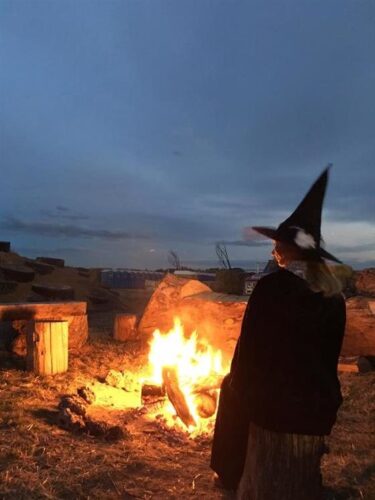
{"points": [[281, 466], [230, 438], [262, 464]]}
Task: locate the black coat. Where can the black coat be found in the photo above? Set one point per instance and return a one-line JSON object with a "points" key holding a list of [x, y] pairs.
{"points": [[283, 375]]}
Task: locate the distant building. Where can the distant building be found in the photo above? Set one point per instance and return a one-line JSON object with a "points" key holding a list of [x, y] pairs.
{"points": [[128, 278], [197, 275]]}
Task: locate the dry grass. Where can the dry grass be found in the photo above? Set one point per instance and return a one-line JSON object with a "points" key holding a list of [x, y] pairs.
{"points": [[40, 460]]}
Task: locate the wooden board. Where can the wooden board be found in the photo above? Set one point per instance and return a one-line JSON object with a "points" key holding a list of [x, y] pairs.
{"points": [[47, 347], [40, 310], [176, 396]]}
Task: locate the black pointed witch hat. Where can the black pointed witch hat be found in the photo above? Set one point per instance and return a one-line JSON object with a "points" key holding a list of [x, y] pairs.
{"points": [[302, 228]]}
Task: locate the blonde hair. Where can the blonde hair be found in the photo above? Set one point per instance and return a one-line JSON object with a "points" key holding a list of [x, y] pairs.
{"points": [[321, 279]]}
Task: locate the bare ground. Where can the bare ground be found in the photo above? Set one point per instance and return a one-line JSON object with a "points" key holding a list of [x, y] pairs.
{"points": [[40, 460]]}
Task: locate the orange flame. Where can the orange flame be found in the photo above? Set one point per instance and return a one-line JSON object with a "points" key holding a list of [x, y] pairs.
{"points": [[193, 360]]}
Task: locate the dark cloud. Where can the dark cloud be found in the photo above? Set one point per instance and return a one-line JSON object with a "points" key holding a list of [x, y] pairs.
{"points": [[56, 252], [67, 231], [62, 215]]}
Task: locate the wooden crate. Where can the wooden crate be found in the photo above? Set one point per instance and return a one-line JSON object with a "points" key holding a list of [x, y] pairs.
{"points": [[47, 347]]}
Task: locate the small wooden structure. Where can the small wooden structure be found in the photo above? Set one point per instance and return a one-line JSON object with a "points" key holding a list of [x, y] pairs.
{"points": [[125, 327], [20, 314], [47, 347]]}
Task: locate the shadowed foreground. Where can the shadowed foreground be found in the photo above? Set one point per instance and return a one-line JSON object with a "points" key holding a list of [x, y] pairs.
{"points": [[40, 460]]}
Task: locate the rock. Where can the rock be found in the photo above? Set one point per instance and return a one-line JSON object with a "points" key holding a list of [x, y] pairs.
{"points": [[103, 429], [359, 339], [71, 421], [162, 305], [75, 403], [125, 327], [115, 378], [87, 394], [131, 383], [365, 282], [122, 380]]}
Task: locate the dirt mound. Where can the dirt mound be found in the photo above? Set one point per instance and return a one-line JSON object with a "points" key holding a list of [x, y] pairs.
{"points": [[84, 286]]}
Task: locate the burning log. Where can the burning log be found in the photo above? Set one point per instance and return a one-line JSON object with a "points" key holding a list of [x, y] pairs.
{"points": [[152, 391], [208, 384], [206, 403], [153, 396], [176, 396]]}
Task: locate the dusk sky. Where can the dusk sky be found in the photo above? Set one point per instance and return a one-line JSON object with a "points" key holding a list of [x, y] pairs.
{"points": [[129, 128]]}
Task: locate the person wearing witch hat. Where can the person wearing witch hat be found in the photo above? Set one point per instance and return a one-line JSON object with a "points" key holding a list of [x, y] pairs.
{"points": [[282, 393]]}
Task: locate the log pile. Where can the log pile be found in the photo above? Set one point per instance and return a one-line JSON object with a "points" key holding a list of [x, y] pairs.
{"points": [[217, 318]]}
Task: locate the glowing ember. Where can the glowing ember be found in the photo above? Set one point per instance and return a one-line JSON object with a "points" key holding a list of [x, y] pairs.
{"points": [[198, 368]]}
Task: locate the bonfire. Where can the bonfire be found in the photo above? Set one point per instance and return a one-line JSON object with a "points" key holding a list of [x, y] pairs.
{"points": [[186, 374]]}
